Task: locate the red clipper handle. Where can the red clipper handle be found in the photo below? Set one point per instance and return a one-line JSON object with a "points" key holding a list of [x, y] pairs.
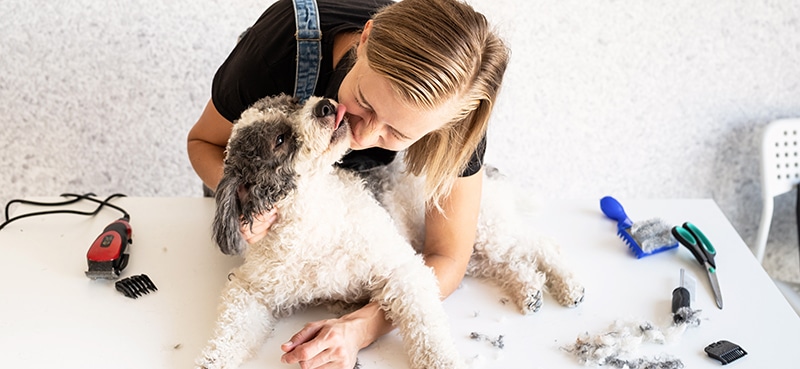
{"points": [[106, 257]]}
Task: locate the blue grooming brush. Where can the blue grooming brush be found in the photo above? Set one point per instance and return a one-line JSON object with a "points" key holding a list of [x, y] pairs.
{"points": [[643, 238]]}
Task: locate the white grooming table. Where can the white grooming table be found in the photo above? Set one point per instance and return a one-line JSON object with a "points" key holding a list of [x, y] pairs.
{"points": [[52, 315]]}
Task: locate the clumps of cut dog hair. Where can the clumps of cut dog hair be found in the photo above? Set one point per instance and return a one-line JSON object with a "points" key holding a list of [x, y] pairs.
{"points": [[617, 346], [496, 342], [652, 234], [687, 317]]}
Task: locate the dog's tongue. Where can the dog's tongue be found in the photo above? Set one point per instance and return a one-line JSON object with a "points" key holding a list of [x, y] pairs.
{"points": [[340, 110]]}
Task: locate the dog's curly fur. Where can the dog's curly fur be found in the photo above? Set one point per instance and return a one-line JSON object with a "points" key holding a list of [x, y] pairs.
{"points": [[335, 242]]}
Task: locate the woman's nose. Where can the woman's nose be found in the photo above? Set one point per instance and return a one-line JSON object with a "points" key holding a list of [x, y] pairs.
{"points": [[366, 132]]}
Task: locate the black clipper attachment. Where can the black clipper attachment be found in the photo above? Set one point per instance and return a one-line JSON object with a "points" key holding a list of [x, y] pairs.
{"points": [[135, 286], [725, 351]]}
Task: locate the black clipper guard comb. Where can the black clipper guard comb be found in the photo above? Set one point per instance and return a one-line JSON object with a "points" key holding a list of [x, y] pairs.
{"points": [[135, 286], [725, 351]]}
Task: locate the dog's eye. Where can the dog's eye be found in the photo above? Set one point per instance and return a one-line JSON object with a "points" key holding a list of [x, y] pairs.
{"points": [[279, 140]]}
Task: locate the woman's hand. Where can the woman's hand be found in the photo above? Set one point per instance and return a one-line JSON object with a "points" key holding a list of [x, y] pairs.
{"points": [[329, 344], [334, 343], [253, 233]]}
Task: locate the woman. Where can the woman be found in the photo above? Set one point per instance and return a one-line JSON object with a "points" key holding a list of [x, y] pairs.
{"points": [[420, 76]]}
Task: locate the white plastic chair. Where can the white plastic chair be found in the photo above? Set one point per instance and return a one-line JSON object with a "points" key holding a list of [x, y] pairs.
{"points": [[780, 171]]}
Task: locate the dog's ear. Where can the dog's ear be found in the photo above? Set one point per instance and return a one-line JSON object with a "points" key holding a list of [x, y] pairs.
{"points": [[261, 156], [227, 218], [254, 180]]}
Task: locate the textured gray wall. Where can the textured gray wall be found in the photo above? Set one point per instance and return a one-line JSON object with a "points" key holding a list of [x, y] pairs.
{"points": [[628, 98]]}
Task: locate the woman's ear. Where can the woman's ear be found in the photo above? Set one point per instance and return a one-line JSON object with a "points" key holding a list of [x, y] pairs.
{"points": [[365, 33]]}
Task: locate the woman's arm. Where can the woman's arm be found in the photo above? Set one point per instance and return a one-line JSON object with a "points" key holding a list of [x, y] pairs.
{"points": [[206, 145], [450, 236], [449, 239]]}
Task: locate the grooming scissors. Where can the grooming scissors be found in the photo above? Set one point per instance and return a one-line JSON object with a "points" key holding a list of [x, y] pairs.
{"points": [[693, 238]]}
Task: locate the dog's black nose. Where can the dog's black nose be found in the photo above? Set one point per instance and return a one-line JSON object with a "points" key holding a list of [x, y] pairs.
{"points": [[324, 108]]}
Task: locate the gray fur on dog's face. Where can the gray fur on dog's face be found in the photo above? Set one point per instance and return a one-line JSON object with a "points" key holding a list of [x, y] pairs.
{"points": [[273, 143]]}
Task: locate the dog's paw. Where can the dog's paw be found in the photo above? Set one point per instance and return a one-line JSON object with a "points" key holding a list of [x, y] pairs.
{"points": [[577, 299], [571, 297], [203, 365], [532, 303], [207, 362]]}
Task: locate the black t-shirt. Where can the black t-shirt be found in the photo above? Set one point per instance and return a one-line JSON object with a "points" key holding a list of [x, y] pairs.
{"points": [[263, 63]]}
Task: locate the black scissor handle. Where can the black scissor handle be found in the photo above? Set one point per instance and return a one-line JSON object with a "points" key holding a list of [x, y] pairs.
{"points": [[687, 239], [690, 236]]}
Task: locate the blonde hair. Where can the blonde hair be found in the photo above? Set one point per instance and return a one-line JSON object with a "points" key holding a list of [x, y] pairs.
{"points": [[432, 51]]}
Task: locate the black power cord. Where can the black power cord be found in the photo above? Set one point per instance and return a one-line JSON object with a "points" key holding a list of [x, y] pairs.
{"points": [[75, 198]]}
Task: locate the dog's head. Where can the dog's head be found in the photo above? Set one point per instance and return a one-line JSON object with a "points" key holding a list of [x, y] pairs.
{"points": [[274, 142]]}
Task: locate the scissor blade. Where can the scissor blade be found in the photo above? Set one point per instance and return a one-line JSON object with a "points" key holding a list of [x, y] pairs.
{"points": [[712, 277]]}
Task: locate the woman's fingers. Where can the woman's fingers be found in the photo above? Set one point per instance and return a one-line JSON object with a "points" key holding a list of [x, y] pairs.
{"points": [[304, 335], [321, 345], [304, 347], [255, 231]]}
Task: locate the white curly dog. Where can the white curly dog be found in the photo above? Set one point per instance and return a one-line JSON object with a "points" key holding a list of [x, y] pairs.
{"points": [[336, 243]]}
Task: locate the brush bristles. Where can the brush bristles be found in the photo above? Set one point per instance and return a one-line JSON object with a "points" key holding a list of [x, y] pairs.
{"points": [[648, 237], [624, 234]]}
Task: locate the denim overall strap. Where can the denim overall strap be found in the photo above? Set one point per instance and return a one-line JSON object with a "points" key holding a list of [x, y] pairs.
{"points": [[309, 49]]}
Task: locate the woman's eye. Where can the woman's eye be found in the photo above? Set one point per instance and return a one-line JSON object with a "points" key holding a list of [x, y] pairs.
{"points": [[362, 106], [279, 140], [397, 135]]}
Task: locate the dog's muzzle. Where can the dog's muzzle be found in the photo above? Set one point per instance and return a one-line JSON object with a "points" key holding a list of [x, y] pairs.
{"points": [[327, 108], [324, 108]]}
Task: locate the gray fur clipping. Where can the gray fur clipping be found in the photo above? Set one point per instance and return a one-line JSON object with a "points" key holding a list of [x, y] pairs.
{"points": [[652, 234], [494, 342], [615, 347], [657, 363], [687, 316]]}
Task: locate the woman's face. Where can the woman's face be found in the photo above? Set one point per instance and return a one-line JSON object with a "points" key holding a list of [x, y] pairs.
{"points": [[377, 117]]}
